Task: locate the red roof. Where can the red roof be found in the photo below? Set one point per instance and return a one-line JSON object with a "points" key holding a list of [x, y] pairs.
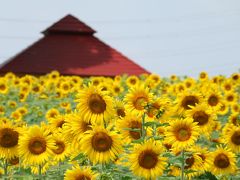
{"points": [[70, 47]]}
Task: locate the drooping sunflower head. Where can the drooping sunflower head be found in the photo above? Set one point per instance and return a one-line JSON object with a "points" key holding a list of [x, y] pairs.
{"points": [[182, 133], [146, 161], [57, 122], [137, 98], [9, 136], [223, 161], [95, 104], [101, 145], [80, 173]]}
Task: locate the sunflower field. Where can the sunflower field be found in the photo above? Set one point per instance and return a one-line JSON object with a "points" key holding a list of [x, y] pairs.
{"points": [[126, 127]]}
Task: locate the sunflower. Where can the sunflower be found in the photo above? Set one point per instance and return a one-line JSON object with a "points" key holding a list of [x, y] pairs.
{"points": [[232, 138], [146, 161], [186, 99], [203, 76], [235, 108], [203, 116], [62, 149], [119, 108], [130, 121], [223, 161], [78, 172], [132, 81], [224, 108], [9, 137], [231, 97], [56, 123], [95, 105], [235, 77], [51, 113], [117, 89], [3, 87], [137, 98], [214, 99], [22, 110], [35, 145], [101, 145], [182, 133], [75, 126], [234, 118]]}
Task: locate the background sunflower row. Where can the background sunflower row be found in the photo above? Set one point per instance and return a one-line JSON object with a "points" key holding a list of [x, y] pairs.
{"points": [[126, 127]]}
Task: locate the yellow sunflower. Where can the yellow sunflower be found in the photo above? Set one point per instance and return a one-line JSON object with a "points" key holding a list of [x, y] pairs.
{"points": [[146, 161], [130, 121], [214, 99], [182, 133], [101, 145], [95, 105], [231, 137], [223, 161], [35, 145], [75, 127], [203, 116], [137, 98], [119, 107], [186, 99], [132, 81], [9, 137], [231, 97], [62, 149], [56, 123], [3, 87], [51, 113], [78, 172]]}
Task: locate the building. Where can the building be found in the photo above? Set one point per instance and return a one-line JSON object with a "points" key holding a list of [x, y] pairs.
{"points": [[70, 47]]}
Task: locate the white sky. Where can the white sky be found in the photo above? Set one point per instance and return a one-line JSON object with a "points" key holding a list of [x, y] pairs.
{"points": [[180, 37]]}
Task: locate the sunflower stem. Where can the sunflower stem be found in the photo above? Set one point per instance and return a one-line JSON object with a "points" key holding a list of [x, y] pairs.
{"points": [[143, 129], [183, 164], [6, 169], [40, 172]]}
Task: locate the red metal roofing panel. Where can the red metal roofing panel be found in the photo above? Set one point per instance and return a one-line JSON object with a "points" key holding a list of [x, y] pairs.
{"points": [[72, 54]]}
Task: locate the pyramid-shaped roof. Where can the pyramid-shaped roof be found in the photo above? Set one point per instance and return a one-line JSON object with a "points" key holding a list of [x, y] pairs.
{"points": [[70, 47]]}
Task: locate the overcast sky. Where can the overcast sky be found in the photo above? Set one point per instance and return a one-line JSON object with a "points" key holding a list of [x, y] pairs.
{"points": [[182, 37]]}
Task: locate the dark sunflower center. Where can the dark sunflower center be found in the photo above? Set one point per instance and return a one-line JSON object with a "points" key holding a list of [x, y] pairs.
{"points": [[203, 75], [82, 177], [121, 112], [148, 159], [8, 138], [13, 161], [221, 161], [189, 101], [201, 117], [101, 142], [37, 145], [140, 102], [97, 104], [228, 87], [117, 89], [183, 134], [189, 162], [2, 87], [236, 138], [213, 100], [230, 98], [133, 81], [202, 156], [60, 147], [135, 125], [235, 77]]}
